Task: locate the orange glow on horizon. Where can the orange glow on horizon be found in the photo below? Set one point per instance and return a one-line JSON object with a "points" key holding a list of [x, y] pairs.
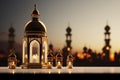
{"points": [[111, 57], [80, 56]]}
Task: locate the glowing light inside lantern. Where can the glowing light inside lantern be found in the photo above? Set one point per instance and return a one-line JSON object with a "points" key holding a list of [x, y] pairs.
{"points": [[26, 58], [34, 58], [49, 65], [59, 65], [69, 64]]}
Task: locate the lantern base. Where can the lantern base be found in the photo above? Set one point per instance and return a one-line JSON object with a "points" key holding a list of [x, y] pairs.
{"points": [[23, 66], [12, 67], [59, 67], [34, 66], [69, 67], [49, 66]]}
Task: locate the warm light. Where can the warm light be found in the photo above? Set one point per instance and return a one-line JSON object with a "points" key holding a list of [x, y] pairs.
{"points": [[49, 65], [111, 57], [12, 65], [59, 65], [59, 71], [88, 55], [69, 71], [107, 48], [103, 54], [34, 58], [43, 50], [49, 71], [42, 57], [80, 56], [85, 54], [70, 65], [68, 49], [26, 56], [13, 71]]}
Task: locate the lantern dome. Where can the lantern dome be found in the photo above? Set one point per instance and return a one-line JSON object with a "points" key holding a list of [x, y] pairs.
{"points": [[35, 25]]}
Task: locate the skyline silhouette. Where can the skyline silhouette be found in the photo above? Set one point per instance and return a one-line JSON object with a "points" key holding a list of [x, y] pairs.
{"points": [[88, 57], [87, 20]]}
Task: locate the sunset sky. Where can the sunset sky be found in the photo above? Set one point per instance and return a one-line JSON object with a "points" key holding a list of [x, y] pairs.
{"points": [[87, 18]]}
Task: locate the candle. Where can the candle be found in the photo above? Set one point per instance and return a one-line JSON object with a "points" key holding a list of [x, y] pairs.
{"points": [[49, 65], [69, 64], [26, 58], [34, 58], [59, 65], [12, 65]]}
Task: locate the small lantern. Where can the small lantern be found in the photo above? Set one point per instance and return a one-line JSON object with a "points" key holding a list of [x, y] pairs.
{"points": [[12, 60], [59, 60], [50, 60], [70, 61]]}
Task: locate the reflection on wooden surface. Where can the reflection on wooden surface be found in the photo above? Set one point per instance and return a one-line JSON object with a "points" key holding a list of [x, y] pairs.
{"points": [[54, 70]]}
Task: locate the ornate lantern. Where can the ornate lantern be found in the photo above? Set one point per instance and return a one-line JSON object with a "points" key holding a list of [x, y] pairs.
{"points": [[69, 61], [59, 60], [12, 60], [50, 59], [35, 43]]}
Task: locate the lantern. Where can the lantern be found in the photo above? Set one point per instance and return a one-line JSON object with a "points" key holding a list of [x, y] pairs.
{"points": [[69, 61], [59, 60], [12, 60], [50, 60], [35, 43]]}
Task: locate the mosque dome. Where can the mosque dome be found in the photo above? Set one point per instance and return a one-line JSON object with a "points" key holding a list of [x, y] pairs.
{"points": [[107, 28], [11, 29], [85, 48], [68, 29]]}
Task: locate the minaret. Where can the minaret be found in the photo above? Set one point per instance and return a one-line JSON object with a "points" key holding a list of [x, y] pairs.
{"points": [[107, 47], [51, 47], [68, 38], [11, 38], [67, 48]]}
